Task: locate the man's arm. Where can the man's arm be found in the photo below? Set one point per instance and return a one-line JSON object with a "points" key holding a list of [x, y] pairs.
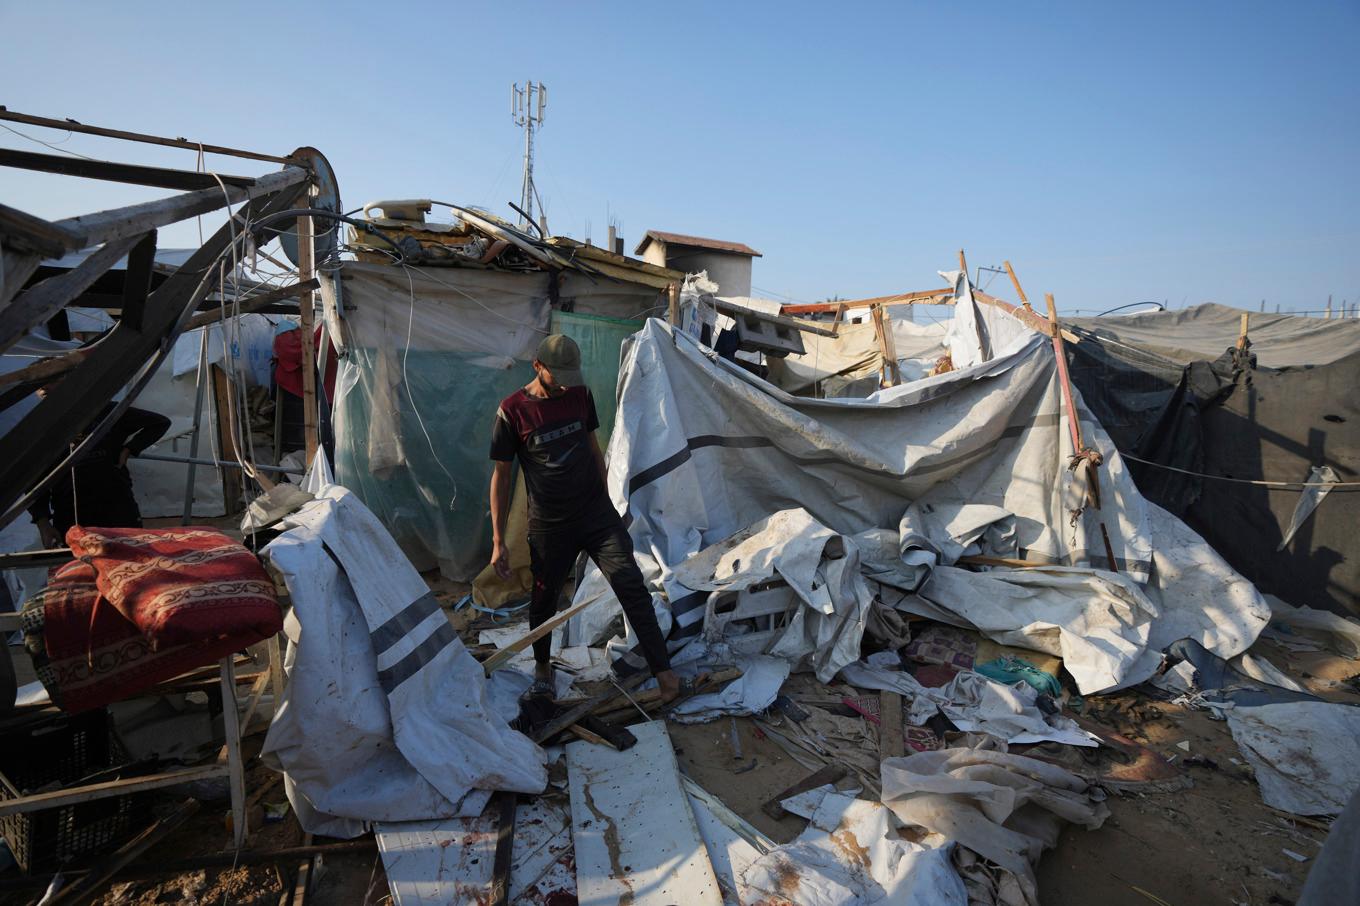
{"points": [[599, 459], [500, 508]]}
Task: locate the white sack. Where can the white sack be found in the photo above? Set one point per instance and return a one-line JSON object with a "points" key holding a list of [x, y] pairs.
{"points": [[1006, 808], [386, 716], [1303, 753]]}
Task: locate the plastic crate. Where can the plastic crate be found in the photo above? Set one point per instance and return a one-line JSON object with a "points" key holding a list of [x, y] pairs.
{"points": [[57, 753]]}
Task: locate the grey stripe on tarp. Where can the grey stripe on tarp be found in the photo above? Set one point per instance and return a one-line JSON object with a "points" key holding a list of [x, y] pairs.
{"points": [[407, 619], [749, 442], [419, 656]]}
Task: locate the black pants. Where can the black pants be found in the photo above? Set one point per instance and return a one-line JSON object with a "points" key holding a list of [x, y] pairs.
{"points": [[552, 555]]}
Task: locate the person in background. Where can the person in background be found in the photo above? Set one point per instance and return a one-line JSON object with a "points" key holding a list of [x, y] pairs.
{"points": [[96, 490], [549, 426]]}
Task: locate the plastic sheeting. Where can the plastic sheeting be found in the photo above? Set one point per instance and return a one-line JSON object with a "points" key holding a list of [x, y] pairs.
{"points": [[851, 854], [432, 353], [1006, 808], [711, 449], [1303, 753], [386, 717]]}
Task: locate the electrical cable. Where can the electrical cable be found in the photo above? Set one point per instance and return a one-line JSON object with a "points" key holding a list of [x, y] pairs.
{"points": [[52, 146], [1286, 485]]}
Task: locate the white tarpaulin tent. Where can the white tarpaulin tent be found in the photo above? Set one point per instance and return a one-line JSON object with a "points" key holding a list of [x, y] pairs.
{"points": [[710, 450]]}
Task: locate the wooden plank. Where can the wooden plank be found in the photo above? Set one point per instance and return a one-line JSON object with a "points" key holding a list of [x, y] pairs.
{"points": [[15, 268], [651, 699], [254, 303], [899, 299], [102, 226], [499, 895], [90, 792], [1015, 281], [636, 839], [73, 405], [589, 706], [110, 171], [1242, 332], [70, 125], [673, 304], [963, 263], [43, 300], [831, 773], [306, 303], [137, 281], [740, 311], [22, 231], [890, 741], [502, 656], [1031, 318], [104, 870], [880, 334]]}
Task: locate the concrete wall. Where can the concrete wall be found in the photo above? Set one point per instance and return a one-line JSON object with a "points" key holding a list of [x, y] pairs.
{"points": [[731, 272]]}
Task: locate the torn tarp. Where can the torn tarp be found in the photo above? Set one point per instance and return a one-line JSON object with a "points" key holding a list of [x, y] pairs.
{"points": [[821, 567], [710, 450], [385, 716], [1006, 808], [1303, 753]]}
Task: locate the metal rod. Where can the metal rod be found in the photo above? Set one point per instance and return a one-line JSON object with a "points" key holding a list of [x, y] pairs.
{"points": [[216, 462], [69, 125]]}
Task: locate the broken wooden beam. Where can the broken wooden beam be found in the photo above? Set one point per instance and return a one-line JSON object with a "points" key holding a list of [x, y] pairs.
{"points": [[898, 299], [832, 774], [106, 868]]}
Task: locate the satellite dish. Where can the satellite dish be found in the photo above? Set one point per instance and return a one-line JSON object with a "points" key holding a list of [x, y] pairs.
{"points": [[326, 197]]}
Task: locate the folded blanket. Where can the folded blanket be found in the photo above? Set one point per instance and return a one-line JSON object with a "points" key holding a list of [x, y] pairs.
{"points": [[88, 653], [179, 584]]}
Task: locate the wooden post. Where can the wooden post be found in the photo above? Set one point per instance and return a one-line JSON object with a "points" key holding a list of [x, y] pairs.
{"points": [[1016, 282], [306, 270], [673, 304], [1242, 332], [231, 727], [1078, 446], [890, 376], [963, 263]]}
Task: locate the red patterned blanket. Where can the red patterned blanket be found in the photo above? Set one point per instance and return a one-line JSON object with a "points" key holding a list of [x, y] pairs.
{"points": [[91, 647]]}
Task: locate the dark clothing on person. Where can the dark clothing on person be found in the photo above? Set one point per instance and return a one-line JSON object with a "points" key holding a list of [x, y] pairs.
{"points": [[96, 491], [606, 541], [570, 511], [551, 438]]}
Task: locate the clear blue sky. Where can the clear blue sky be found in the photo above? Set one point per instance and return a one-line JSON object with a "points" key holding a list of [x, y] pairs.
{"points": [[1113, 152]]}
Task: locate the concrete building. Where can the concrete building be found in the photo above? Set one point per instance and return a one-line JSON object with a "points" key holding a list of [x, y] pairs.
{"points": [[728, 263]]}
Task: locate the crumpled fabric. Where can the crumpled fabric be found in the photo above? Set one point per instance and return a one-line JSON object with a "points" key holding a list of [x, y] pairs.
{"points": [[1006, 808], [850, 854], [1303, 753], [820, 565], [974, 703]]}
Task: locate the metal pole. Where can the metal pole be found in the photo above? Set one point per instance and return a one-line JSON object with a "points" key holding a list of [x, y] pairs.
{"points": [[193, 438], [160, 457]]}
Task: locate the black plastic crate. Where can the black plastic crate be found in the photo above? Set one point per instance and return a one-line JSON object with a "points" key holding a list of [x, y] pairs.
{"points": [[56, 753]]}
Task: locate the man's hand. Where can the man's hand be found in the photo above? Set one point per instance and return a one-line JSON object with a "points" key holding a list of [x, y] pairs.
{"points": [[500, 559], [123, 458]]}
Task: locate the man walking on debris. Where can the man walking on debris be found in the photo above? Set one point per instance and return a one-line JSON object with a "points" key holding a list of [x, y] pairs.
{"points": [[549, 425]]}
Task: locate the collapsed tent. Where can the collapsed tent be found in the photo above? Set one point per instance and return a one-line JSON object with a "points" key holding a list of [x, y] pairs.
{"points": [[973, 461], [430, 353], [1171, 389]]}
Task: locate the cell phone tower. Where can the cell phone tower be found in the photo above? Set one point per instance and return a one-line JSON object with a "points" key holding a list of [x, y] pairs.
{"points": [[527, 104]]}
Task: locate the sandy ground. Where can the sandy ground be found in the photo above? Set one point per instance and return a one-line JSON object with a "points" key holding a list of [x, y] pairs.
{"points": [[1213, 841]]}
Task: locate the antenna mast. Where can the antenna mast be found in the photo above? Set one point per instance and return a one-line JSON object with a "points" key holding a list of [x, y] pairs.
{"points": [[527, 104]]}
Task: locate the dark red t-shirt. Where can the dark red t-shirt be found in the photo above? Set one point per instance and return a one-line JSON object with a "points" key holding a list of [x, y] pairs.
{"points": [[551, 438]]}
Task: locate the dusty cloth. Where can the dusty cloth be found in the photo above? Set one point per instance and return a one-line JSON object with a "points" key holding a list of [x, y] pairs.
{"points": [[1006, 808], [180, 585], [850, 854], [87, 654], [1333, 878], [1303, 753]]}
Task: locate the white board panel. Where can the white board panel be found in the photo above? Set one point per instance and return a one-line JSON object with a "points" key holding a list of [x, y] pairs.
{"points": [[636, 839]]}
